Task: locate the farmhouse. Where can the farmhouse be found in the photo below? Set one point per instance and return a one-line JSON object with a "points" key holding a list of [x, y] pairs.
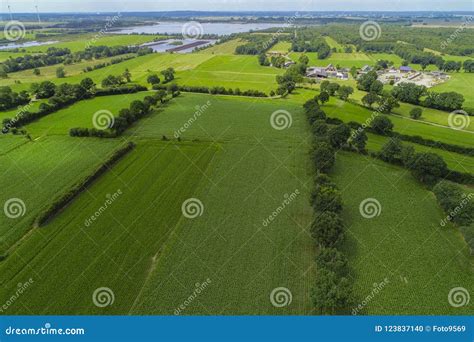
{"points": [[327, 72]]}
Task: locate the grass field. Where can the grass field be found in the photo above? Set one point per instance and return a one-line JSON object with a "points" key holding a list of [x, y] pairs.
{"points": [[37, 172], [460, 82], [405, 244], [351, 112], [227, 48], [455, 161], [81, 114], [79, 42], [242, 72], [234, 148], [282, 47], [333, 44], [139, 67]]}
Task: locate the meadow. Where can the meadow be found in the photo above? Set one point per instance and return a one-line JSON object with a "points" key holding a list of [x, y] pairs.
{"points": [[405, 244], [37, 172], [460, 82]]}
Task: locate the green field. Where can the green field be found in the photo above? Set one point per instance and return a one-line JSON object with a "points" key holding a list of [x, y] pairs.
{"points": [[239, 151], [405, 244], [37, 172], [282, 47], [242, 72], [460, 82], [81, 114], [227, 48], [455, 161]]}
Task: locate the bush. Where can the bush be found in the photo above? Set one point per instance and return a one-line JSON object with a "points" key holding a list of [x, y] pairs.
{"points": [[382, 125], [324, 157], [332, 294], [326, 198], [429, 167], [455, 203], [332, 260], [328, 229]]}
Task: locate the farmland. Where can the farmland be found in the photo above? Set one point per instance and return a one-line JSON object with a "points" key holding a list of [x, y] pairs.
{"points": [[231, 129]]}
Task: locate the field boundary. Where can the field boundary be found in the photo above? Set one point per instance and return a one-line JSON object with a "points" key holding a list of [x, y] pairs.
{"points": [[62, 202]]}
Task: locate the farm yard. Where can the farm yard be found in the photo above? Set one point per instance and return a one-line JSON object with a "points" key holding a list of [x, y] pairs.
{"points": [[215, 168]]}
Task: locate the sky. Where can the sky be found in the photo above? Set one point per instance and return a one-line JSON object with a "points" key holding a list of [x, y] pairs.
{"points": [[234, 5]]}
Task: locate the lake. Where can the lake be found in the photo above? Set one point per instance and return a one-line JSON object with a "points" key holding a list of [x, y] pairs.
{"points": [[24, 45], [207, 28]]}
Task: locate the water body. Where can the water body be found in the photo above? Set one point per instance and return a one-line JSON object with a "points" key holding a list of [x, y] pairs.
{"points": [[167, 45], [25, 45], [207, 28]]}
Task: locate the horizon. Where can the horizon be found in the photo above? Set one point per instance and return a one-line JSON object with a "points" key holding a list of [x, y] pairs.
{"points": [[315, 6]]}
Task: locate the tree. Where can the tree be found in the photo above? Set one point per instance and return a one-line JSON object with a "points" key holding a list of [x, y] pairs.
{"points": [[127, 75], [304, 59], [263, 60], [339, 135], [43, 90], [324, 86], [332, 88], [391, 150], [332, 294], [387, 102], [323, 97], [153, 79], [429, 167], [36, 72], [326, 198], [320, 128], [328, 229], [332, 259], [168, 74], [369, 99], [416, 113], [365, 81], [344, 92], [445, 101], [359, 140], [407, 156], [323, 157], [88, 84], [60, 73], [376, 87], [409, 92], [382, 125]]}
